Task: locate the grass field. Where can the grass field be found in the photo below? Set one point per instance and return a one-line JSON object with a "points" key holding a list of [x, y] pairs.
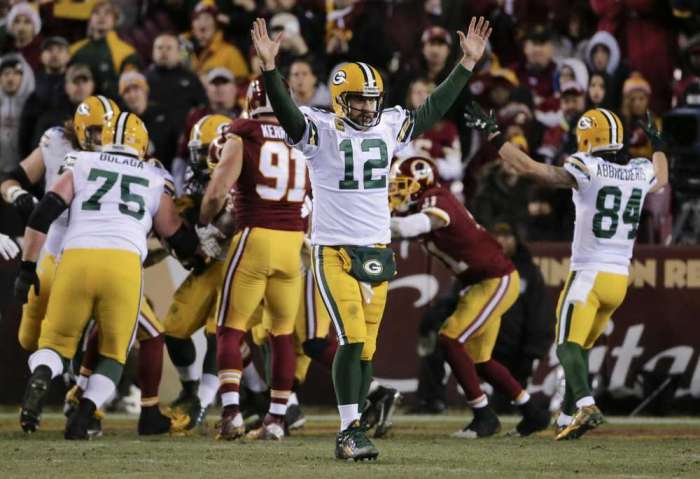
{"points": [[419, 447]]}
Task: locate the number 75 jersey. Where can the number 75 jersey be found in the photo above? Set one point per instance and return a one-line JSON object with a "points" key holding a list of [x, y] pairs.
{"points": [[115, 198], [349, 172], [608, 201]]}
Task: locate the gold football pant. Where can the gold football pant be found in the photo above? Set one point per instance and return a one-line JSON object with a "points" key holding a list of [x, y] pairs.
{"points": [[587, 302], [355, 320], [104, 284], [149, 324], [34, 311], [477, 318]]}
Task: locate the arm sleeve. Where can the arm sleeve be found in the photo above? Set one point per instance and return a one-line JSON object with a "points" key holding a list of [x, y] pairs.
{"points": [[289, 116], [578, 167], [440, 101]]}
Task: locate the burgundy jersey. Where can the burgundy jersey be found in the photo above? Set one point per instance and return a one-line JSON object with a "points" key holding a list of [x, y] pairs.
{"points": [[463, 245], [270, 190]]}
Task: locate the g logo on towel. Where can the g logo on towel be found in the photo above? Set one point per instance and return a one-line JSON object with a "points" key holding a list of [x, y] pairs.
{"points": [[373, 267]]}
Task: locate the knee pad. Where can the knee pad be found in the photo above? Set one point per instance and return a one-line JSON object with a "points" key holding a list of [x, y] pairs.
{"points": [[314, 347]]}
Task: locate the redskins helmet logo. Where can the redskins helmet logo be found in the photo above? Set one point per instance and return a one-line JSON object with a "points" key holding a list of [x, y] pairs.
{"points": [[585, 123], [420, 169], [83, 109], [339, 77]]}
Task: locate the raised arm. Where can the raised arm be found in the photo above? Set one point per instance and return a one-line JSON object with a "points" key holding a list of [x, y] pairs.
{"points": [[289, 116], [659, 159], [440, 101]]}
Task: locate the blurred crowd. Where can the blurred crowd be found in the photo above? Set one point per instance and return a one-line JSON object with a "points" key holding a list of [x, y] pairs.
{"points": [[174, 61]]}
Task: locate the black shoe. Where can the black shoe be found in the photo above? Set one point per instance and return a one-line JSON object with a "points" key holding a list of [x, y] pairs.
{"points": [[380, 410], [94, 429], [534, 419], [197, 414], [152, 421], [184, 400], [352, 443], [294, 418], [254, 407], [34, 398], [79, 422], [484, 424]]}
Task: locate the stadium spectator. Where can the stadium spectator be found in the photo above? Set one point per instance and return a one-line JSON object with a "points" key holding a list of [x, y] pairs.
{"points": [[685, 91], [572, 69], [103, 51], [597, 92], [49, 91], [537, 70], [163, 132], [174, 87], [24, 26], [78, 85], [560, 141], [293, 45], [235, 18], [15, 88], [305, 87], [207, 46], [603, 56], [636, 95]]}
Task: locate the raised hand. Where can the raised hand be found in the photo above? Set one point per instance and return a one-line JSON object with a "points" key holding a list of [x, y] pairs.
{"points": [[265, 46], [474, 42], [655, 136], [475, 117]]}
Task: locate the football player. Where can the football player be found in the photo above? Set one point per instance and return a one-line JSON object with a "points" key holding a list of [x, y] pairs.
{"points": [[608, 194], [348, 152], [263, 262], [100, 272], [490, 283]]}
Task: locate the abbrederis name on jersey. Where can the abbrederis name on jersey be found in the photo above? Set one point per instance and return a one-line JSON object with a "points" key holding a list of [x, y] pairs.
{"points": [[608, 201], [54, 147], [349, 172], [116, 196]]}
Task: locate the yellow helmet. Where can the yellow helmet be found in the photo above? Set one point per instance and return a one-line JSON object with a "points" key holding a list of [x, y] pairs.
{"points": [[599, 130], [90, 117], [127, 133], [360, 80], [203, 133]]}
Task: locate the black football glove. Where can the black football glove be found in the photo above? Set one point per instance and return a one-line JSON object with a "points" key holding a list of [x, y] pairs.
{"points": [[656, 137], [24, 202], [475, 117], [25, 280]]}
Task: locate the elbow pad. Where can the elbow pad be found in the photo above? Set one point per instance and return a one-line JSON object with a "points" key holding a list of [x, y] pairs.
{"points": [[183, 242], [49, 208]]}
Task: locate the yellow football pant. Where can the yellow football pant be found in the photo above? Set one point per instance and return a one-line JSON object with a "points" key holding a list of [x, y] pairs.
{"points": [[34, 311], [194, 303], [587, 302], [262, 265], [149, 324], [354, 319], [477, 318], [104, 284]]}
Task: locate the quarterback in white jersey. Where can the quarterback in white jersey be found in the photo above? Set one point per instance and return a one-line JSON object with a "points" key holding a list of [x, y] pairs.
{"points": [[348, 151], [608, 193], [114, 198]]}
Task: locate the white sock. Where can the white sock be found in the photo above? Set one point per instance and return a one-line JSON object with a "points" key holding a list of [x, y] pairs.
{"points": [[585, 401], [230, 399], [563, 419], [522, 398], [293, 399], [208, 386], [189, 373], [49, 358], [252, 379], [348, 414], [99, 389], [479, 402], [82, 381]]}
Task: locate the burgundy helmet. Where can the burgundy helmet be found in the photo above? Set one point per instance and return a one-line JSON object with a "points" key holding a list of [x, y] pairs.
{"points": [[408, 179], [257, 102]]}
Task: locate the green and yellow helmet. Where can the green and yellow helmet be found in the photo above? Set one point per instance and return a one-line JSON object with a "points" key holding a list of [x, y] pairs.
{"points": [[599, 130], [360, 80]]}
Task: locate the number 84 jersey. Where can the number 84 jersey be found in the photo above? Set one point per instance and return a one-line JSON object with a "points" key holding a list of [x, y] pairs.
{"points": [[608, 201], [349, 172], [115, 198]]}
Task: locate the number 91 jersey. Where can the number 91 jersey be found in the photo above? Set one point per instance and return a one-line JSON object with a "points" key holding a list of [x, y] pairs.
{"points": [[273, 181], [349, 172], [608, 201], [115, 198]]}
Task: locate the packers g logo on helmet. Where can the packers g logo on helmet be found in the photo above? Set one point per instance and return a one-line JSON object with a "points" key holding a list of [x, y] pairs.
{"points": [[126, 133], [599, 130], [358, 80], [339, 77], [203, 134], [89, 119]]}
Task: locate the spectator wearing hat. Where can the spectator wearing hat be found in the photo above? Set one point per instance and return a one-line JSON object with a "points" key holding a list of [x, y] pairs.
{"points": [[208, 49], [49, 92], [636, 95], [162, 130], [24, 26], [305, 87], [293, 45], [559, 141], [173, 86], [14, 91], [103, 51], [78, 85], [537, 69], [603, 56]]}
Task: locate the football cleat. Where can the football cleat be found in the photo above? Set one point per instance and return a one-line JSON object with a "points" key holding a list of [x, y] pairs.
{"points": [[72, 399], [271, 429], [152, 422], [184, 400], [196, 415], [534, 419], [484, 424], [585, 419], [95, 424], [381, 405], [353, 444], [230, 427], [34, 398], [78, 423], [294, 418]]}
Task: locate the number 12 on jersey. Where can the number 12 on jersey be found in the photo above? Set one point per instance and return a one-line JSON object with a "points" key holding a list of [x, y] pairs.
{"points": [[375, 145]]}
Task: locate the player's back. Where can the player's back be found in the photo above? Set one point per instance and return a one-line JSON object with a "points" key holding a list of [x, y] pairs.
{"points": [[608, 203], [116, 196], [273, 181]]}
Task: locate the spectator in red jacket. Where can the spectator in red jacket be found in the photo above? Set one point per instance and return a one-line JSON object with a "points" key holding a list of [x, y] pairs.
{"points": [[538, 69]]}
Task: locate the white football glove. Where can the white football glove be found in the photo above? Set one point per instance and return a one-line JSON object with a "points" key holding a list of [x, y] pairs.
{"points": [[209, 237], [8, 248]]}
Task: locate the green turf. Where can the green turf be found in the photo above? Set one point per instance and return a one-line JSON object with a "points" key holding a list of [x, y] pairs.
{"points": [[420, 447]]}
